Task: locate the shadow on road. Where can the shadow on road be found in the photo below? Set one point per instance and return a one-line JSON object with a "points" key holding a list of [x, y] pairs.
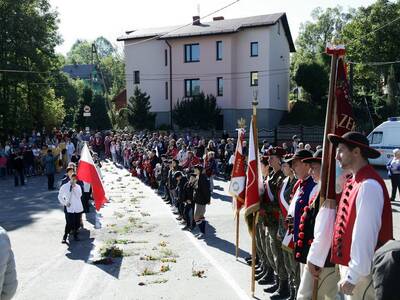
{"points": [[20, 204], [213, 240], [222, 197], [80, 250]]}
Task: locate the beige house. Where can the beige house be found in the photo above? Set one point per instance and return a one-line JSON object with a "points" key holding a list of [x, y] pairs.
{"points": [[231, 59]]}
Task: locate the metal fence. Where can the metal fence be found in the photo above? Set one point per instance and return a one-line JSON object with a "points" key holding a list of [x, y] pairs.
{"points": [[307, 134]]}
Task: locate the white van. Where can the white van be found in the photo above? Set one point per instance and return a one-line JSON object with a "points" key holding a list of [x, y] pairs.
{"points": [[385, 138]]}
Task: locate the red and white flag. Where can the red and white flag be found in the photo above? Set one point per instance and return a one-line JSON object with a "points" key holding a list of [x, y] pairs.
{"points": [[254, 184], [238, 178], [87, 172]]}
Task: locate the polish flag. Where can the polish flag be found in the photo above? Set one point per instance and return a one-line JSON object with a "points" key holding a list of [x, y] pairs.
{"points": [[238, 178], [254, 184], [87, 172]]}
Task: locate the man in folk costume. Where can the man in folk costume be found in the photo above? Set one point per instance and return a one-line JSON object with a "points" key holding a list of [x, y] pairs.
{"points": [[302, 192], [273, 184], [315, 223], [264, 275], [364, 216], [285, 197]]}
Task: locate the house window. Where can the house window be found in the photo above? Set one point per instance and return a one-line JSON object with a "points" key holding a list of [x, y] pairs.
{"points": [[166, 57], [166, 90], [278, 91], [219, 50], [136, 75], [254, 78], [279, 27], [253, 49], [192, 87], [220, 86], [192, 53]]}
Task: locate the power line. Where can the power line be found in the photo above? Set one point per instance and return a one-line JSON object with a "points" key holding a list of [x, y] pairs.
{"points": [[206, 78], [180, 27], [375, 63], [212, 74], [377, 29], [25, 71]]}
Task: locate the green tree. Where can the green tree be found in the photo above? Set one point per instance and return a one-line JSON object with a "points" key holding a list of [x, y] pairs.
{"points": [[325, 26], [85, 99], [313, 78], [109, 61], [54, 112], [28, 36], [139, 115], [186, 112], [393, 99], [99, 119]]}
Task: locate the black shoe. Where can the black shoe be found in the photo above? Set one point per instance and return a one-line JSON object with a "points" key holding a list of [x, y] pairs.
{"points": [[261, 274], [268, 278], [282, 292], [273, 288], [247, 259], [64, 239], [179, 218], [260, 270], [249, 262], [292, 294]]}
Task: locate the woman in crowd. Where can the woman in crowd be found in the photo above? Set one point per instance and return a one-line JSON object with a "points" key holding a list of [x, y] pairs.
{"points": [[394, 173]]}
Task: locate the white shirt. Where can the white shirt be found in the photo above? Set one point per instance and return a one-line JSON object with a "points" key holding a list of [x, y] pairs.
{"points": [[369, 209], [86, 187], [71, 197], [182, 156], [70, 148], [323, 234]]}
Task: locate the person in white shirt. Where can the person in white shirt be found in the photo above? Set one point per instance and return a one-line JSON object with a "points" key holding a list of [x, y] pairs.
{"points": [[70, 150], [317, 259], [363, 219], [69, 195], [182, 155]]}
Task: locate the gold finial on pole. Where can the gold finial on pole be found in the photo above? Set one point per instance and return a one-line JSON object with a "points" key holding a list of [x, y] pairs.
{"points": [[241, 123]]}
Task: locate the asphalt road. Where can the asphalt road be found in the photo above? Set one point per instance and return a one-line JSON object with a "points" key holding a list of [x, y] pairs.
{"points": [[140, 224]]}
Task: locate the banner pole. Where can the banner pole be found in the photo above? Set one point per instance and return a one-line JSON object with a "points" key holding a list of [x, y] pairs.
{"points": [[327, 147], [253, 256], [237, 234]]}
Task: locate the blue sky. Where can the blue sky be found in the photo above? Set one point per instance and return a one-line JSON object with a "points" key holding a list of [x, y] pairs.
{"points": [[88, 19]]}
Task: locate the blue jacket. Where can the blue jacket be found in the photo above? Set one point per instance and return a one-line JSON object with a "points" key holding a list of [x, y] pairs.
{"points": [[49, 164]]}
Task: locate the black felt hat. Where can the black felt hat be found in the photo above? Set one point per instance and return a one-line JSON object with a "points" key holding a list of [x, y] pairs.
{"points": [[355, 139], [317, 157], [300, 154]]}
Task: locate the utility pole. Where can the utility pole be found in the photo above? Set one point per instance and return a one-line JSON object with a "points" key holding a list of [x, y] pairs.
{"points": [[351, 80]]}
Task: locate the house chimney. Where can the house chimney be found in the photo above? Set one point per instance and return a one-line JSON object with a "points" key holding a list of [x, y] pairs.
{"points": [[196, 20], [219, 18]]}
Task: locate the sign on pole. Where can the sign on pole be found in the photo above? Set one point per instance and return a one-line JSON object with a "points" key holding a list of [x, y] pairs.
{"points": [[86, 111]]}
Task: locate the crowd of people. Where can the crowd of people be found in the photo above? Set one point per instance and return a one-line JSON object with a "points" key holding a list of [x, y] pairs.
{"points": [[298, 240], [303, 240]]}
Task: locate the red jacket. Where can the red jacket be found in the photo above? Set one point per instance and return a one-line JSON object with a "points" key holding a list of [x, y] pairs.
{"points": [[346, 216]]}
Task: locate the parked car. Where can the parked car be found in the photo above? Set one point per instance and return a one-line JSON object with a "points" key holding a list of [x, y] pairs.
{"points": [[385, 138]]}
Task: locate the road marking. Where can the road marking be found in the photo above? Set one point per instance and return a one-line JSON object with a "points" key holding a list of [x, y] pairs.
{"points": [[228, 278]]}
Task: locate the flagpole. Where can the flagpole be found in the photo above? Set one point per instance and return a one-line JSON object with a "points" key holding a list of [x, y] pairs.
{"points": [[253, 232], [237, 233], [326, 163]]}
